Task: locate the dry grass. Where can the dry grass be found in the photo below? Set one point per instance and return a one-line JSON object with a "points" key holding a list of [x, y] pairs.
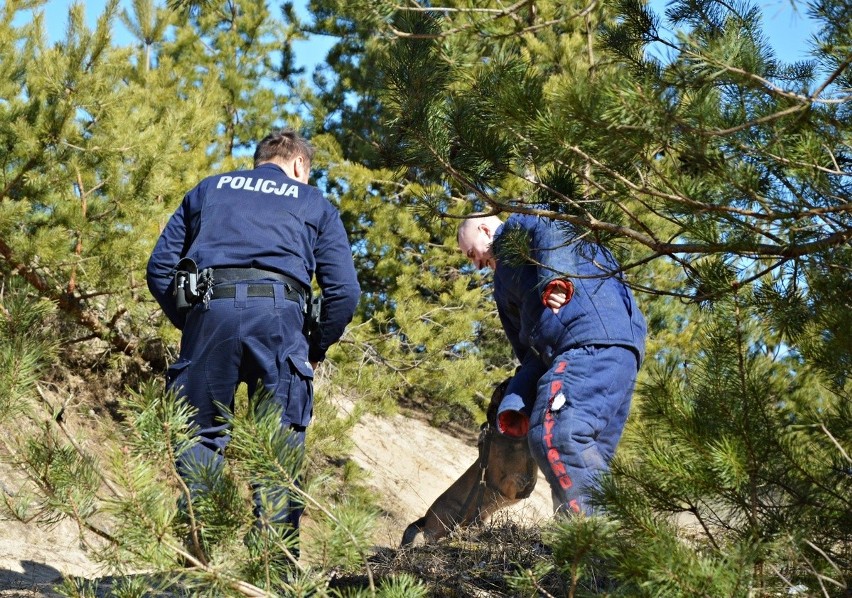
{"points": [[474, 562]]}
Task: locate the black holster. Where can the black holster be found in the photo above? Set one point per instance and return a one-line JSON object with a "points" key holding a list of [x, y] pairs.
{"points": [[314, 318], [190, 284]]}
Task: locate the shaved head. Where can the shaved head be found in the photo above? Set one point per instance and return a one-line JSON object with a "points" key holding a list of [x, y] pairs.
{"points": [[475, 236], [472, 222]]}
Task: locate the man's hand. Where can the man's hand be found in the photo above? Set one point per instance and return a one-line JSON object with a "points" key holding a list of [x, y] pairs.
{"points": [[557, 293], [314, 365]]}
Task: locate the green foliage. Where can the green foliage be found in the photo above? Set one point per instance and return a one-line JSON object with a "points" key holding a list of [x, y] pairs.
{"points": [[155, 424], [714, 151], [101, 142], [399, 586], [331, 428], [135, 510], [583, 550], [341, 545], [717, 174], [725, 455], [126, 497], [67, 480], [417, 338], [26, 346]]}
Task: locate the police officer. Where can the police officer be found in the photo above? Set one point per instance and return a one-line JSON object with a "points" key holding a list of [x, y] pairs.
{"points": [[257, 238], [580, 338]]}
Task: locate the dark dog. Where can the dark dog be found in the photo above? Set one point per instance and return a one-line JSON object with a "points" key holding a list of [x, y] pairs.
{"points": [[504, 473]]}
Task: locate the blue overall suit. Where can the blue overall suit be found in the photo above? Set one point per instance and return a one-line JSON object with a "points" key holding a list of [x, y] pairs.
{"points": [[265, 236], [577, 367]]}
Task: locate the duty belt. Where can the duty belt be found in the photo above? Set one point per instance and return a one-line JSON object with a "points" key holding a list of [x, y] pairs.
{"points": [[224, 280]]}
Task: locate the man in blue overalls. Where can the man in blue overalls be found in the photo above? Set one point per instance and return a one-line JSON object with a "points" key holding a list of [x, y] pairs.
{"points": [[579, 336], [257, 238]]}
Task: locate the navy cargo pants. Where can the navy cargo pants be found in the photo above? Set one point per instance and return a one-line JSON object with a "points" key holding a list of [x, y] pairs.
{"points": [[256, 340], [581, 407]]}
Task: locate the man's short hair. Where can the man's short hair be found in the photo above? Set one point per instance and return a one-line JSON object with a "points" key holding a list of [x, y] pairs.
{"points": [[285, 144], [471, 220]]}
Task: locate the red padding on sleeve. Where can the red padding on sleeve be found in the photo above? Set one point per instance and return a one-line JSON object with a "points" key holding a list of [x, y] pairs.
{"points": [[553, 285], [513, 423]]}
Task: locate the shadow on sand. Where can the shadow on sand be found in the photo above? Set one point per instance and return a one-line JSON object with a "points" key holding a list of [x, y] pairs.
{"points": [[36, 579]]}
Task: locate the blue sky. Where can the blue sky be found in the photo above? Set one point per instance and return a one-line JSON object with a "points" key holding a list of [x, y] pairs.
{"points": [[307, 53], [785, 22]]}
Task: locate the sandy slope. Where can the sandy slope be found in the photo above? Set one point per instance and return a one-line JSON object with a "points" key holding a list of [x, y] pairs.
{"points": [[412, 463], [409, 462], [34, 558]]}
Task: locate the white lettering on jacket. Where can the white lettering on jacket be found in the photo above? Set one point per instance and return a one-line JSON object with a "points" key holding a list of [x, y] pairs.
{"points": [[259, 185]]}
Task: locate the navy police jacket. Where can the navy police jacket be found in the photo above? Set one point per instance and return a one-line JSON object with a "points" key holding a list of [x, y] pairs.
{"points": [[262, 219], [602, 310]]}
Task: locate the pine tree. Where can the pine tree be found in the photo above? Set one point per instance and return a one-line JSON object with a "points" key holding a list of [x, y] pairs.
{"points": [[90, 153], [102, 142], [720, 177], [124, 496], [425, 331], [741, 481]]}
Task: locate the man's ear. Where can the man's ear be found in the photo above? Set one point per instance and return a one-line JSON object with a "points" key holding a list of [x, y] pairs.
{"points": [[301, 169]]}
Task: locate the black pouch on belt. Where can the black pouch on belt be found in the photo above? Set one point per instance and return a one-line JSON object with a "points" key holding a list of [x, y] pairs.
{"points": [[186, 285]]}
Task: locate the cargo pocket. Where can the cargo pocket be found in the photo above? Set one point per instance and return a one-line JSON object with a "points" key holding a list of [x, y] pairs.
{"points": [[176, 377], [300, 391]]}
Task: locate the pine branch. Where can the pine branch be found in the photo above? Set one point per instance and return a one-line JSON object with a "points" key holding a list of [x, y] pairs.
{"points": [[833, 77], [71, 305], [57, 420], [187, 496], [83, 522], [333, 518], [747, 125], [22, 173], [774, 89], [835, 442], [779, 249], [494, 14], [268, 451], [49, 492], [831, 562], [499, 12]]}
